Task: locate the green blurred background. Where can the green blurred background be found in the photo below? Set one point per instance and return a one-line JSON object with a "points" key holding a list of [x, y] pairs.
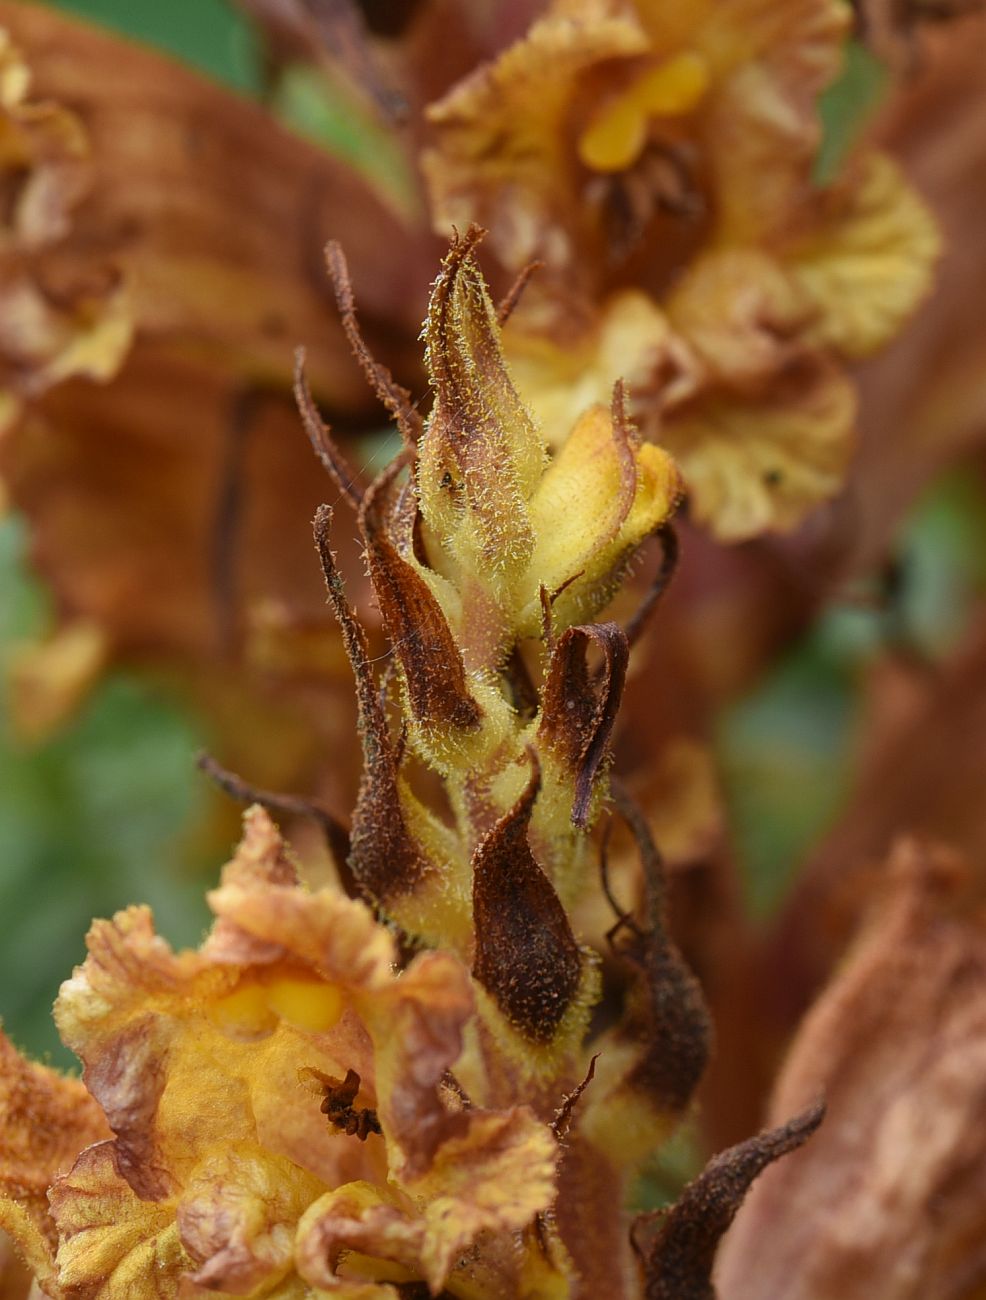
{"points": [[106, 814]]}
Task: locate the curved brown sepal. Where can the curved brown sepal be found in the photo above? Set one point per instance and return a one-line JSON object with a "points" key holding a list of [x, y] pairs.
{"points": [[678, 1263], [637, 623], [672, 1019], [416, 625], [578, 713], [395, 398], [383, 857], [320, 436], [336, 834], [526, 955]]}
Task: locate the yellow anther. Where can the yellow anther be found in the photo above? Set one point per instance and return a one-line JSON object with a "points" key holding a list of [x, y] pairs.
{"points": [[618, 132], [305, 1003]]}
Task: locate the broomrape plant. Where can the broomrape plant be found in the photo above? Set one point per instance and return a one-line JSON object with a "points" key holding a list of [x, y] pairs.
{"points": [[396, 1091], [443, 1073]]}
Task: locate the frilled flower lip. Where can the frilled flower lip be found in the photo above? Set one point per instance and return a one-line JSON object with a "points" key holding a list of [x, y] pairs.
{"points": [[729, 89]]}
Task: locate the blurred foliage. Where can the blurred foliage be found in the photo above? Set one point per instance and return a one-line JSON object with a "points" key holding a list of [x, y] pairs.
{"points": [[787, 751], [330, 115], [210, 34], [94, 820], [846, 107]]}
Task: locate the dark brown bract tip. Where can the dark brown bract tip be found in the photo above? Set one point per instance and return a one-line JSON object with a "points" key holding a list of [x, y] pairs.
{"points": [[578, 714], [670, 1018], [384, 859], [526, 955], [417, 627], [678, 1264]]}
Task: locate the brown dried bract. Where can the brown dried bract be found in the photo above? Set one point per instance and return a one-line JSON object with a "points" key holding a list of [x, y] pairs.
{"points": [[383, 858], [417, 627], [526, 954], [890, 1200], [574, 719], [670, 1017]]}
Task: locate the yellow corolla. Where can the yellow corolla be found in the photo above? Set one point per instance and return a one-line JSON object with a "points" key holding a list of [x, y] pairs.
{"points": [[279, 1108]]}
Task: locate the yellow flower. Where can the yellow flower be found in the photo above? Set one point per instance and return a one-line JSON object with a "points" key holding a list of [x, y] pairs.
{"points": [[658, 159], [227, 1166]]}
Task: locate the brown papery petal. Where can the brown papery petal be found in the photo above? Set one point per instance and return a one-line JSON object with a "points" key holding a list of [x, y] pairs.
{"points": [[213, 213], [890, 1200], [575, 720], [46, 1120], [526, 954]]}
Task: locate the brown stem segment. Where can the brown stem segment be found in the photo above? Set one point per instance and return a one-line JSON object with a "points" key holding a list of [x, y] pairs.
{"points": [[336, 835]]}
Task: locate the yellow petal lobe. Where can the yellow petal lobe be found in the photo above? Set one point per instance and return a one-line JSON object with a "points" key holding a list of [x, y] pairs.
{"points": [[615, 139], [871, 260], [675, 86]]}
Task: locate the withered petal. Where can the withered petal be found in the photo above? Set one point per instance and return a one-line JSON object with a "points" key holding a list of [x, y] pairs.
{"points": [[577, 719], [526, 954], [418, 1036], [111, 1243], [237, 1215], [262, 915], [46, 1119], [678, 1264], [876, 235], [889, 1200], [129, 1080], [499, 151]]}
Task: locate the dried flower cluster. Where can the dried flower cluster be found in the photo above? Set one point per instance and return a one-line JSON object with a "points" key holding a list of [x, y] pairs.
{"points": [[453, 1146], [443, 1073]]}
